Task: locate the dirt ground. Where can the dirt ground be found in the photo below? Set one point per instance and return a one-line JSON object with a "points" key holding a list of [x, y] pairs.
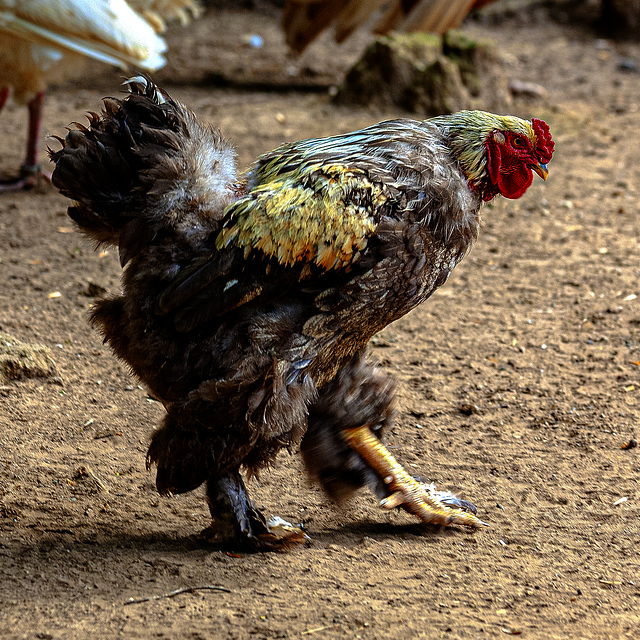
{"points": [[519, 386]]}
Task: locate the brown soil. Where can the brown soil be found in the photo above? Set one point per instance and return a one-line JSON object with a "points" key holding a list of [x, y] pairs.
{"points": [[519, 386]]}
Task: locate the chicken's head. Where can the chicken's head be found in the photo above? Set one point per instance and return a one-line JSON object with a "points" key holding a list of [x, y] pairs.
{"points": [[513, 154], [499, 154]]}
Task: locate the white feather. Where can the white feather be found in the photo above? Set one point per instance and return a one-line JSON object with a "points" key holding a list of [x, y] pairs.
{"points": [[56, 31]]}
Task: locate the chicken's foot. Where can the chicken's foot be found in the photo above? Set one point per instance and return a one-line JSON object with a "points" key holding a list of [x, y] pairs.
{"points": [[417, 498], [234, 514]]}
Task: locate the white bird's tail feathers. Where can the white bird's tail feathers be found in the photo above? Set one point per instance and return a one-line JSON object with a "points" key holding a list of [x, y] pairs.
{"points": [[115, 32]]}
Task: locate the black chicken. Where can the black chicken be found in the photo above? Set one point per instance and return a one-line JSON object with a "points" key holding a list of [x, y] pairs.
{"points": [[247, 306]]}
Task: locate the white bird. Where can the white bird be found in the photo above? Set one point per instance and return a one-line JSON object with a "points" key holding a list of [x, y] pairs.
{"points": [[41, 40]]}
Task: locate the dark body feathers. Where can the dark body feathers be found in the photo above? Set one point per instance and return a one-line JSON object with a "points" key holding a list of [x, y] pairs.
{"points": [[247, 308]]}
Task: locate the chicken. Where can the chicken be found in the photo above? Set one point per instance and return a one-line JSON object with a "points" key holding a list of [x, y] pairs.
{"points": [[45, 39], [247, 304], [304, 20]]}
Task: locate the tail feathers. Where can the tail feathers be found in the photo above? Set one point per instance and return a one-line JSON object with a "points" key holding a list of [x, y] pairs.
{"points": [[141, 166], [304, 20]]}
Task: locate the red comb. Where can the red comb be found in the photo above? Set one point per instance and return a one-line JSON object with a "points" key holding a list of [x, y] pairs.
{"points": [[544, 149]]}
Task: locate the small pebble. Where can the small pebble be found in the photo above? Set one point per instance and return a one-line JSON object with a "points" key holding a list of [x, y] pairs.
{"points": [[627, 65]]}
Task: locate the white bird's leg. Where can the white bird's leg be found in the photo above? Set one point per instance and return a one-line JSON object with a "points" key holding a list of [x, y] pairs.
{"points": [[4, 96], [30, 171], [31, 165]]}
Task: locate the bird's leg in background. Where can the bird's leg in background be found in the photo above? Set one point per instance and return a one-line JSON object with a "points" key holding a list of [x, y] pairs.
{"points": [[30, 171], [4, 96], [233, 511], [31, 164], [405, 491]]}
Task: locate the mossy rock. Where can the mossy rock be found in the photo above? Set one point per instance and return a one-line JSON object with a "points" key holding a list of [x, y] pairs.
{"points": [[427, 75], [22, 360]]}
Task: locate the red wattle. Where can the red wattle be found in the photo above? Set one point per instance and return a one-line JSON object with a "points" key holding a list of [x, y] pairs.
{"points": [[515, 180], [508, 174]]}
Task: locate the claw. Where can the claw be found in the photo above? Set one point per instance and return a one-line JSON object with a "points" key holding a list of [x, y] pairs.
{"points": [[392, 501], [282, 535], [451, 500], [423, 501]]}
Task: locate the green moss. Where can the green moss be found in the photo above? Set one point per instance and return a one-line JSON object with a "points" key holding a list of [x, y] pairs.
{"points": [[22, 360], [421, 73]]}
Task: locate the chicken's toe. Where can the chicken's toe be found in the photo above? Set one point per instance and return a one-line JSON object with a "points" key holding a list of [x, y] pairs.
{"points": [[428, 504], [280, 536]]}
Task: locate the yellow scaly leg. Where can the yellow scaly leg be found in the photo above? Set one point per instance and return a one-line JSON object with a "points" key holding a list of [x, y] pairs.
{"points": [[406, 492]]}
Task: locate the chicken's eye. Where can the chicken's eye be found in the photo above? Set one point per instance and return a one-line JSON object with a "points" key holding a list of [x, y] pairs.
{"points": [[518, 141]]}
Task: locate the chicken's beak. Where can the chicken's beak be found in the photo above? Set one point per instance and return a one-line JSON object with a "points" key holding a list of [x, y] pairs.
{"points": [[540, 169]]}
